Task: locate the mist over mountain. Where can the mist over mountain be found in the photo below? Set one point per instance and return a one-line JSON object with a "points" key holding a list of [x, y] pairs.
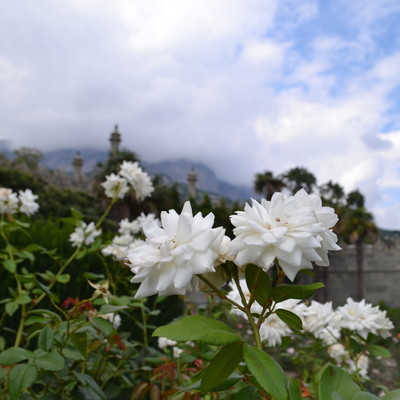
{"points": [[174, 170]]}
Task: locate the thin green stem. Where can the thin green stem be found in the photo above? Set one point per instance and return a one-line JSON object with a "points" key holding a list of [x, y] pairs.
{"points": [[247, 311], [108, 209], [219, 293]]}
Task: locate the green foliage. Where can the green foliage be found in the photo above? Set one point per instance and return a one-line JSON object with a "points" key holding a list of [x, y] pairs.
{"points": [[199, 328], [267, 372]]}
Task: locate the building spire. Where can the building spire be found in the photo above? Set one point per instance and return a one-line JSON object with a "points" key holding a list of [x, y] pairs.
{"points": [[191, 180], [115, 140]]}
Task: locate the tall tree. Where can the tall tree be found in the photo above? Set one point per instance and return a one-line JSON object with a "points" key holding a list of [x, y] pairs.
{"points": [[299, 178], [332, 194], [357, 227], [267, 184]]}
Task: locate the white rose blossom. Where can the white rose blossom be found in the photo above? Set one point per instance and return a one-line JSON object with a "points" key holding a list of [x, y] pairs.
{"points": [[288, 229], [8, 201], [115, 186], [28, 202], [84, 234], [173, 254], [363, 318], [137, 178]]}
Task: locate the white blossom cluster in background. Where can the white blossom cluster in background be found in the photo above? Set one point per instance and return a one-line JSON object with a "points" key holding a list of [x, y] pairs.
{"points": [[84, 234], [324, 323], [126, 240], [164, 343], [24, 202], [130, 175], [295, 230]]}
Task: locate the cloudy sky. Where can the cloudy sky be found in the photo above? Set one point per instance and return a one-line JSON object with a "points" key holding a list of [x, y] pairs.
{"points": [[241, 85]]}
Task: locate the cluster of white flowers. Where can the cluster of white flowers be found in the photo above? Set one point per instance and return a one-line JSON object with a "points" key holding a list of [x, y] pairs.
{"points": [[295, 230], [342, 358], [130, 174], [24, 201], [126, 241], [84, 234], [164, 343], [364, 318], [173, 254], [320, 319]]}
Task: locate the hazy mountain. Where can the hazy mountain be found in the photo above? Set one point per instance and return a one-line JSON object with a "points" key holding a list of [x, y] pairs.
{"points": [[175, 170]]}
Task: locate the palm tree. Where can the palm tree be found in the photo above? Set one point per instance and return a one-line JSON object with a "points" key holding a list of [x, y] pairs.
{"points": [[299, 178], [266, 184], [332, 194], [357, 227]]}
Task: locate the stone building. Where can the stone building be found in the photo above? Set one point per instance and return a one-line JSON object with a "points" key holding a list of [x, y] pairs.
{"points": [[381, 274]]}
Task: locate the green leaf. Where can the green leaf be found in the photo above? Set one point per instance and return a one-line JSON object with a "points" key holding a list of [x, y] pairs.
{"points": [[364, 396], [227, 383], [259, 284], [294, 389], [10, 266], [195, 327], [379, 351], [337, 396], [334, 379], [266, 371], [222, 366], [21, 377], [88, 381], [290, 291], [50, 362], [64, 278], [108, 308], [23, 298], [290, 319], [247, 393], [46, 338], [14, 355], [394, 395], [81, 254], [11, 307], [102, 325]]}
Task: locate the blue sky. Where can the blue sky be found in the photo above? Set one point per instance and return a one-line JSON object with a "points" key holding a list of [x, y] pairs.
{"points": [[244, 86]]}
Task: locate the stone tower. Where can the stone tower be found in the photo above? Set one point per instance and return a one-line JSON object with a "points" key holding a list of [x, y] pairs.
{"points": [[115, 140], [78, 177], [192, 179]]}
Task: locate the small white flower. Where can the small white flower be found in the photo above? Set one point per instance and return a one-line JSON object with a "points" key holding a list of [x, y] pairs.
{"points": [[137, 178], [146, 218], [115, 186], [175, 253], [363, 318], [360, 365], [8, 201], [28, 202], [283, 228], [114, 318], [84, 234], [273, 329], [176, 351], [338, 353], [129, 228], [164, 342]]}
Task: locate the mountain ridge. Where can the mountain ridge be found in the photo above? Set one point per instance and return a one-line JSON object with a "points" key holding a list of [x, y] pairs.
{"points": [[176, 170]]}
